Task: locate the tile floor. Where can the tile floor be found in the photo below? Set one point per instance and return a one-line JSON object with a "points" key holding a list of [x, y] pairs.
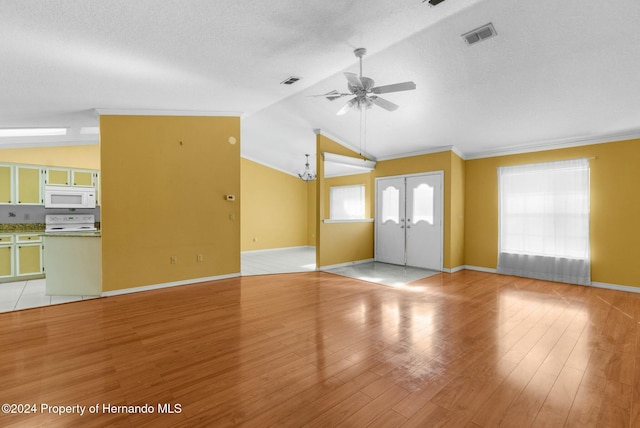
{"points": [[31, 294], [285, 260], [383, 273]]}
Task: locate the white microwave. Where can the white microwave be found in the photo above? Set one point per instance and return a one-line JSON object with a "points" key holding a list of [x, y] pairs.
{"points": [[69, 197]]}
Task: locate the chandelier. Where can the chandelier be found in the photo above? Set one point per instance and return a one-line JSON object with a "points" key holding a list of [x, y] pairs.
{"points": [[307, 175]]}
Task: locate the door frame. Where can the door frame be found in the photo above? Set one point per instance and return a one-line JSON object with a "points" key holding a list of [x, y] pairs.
{"points": [[441, 213]]}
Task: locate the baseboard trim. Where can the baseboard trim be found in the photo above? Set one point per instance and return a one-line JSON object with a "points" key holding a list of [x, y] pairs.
{"points": [[454, 270], [480, 269], [616, 287], [167, 285], [267, 250], [628, 288], [339, 265]]}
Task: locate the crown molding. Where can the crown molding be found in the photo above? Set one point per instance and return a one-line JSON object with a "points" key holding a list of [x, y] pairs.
{"points": [[555, 144], [149, 112]]}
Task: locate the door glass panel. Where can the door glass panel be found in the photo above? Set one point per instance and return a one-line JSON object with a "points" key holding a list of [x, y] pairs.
{"points": [[391, 205], [422, 204]]}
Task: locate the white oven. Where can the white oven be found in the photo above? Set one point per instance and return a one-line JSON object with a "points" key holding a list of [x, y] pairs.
{"points": [[69, 223], [69, 197]]}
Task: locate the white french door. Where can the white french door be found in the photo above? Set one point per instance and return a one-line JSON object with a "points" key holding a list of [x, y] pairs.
{"points": [[409, 220]]}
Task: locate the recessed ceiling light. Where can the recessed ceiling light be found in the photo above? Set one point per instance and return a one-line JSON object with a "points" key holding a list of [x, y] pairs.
{"points": [[32, 132]]}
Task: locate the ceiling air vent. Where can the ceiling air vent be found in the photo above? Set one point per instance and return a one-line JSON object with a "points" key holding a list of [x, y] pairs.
{"points": [[290, 80], [479, 34], [433, 2]]}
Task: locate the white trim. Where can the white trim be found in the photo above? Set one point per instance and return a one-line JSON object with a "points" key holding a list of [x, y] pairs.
{"points": [[267, 250], [249, 158], [454, 270], [349, 160], [555, 144], [339, 265], [627, 288], [150, 112], [168, 284], [353, 220], [319, 131], [480, 269], [429, 151], [343, 174]]}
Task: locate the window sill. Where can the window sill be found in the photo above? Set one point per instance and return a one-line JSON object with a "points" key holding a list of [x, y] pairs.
{"points": [[359, 220]]}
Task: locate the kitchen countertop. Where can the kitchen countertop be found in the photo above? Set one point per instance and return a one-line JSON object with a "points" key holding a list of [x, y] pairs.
{"points": [[95, 234], [22, 227]]}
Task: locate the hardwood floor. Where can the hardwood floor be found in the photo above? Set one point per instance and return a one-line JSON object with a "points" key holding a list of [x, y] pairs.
{"points": [[467, 349]]}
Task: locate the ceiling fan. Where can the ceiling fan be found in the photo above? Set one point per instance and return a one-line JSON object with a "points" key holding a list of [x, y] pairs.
{"points": [[364, 93]]}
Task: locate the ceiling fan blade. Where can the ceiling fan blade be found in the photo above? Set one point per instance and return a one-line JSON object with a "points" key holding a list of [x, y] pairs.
{"points": [[381, 102], [354, 80], [348, 106], [396, 87], [336, 96], [332, 95]]}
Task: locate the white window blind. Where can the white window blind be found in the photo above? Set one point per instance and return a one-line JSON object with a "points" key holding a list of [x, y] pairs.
{"points": [[347, 202], [544, 221]]}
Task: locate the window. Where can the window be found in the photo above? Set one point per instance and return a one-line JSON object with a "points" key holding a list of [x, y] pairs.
{"points": [[544, 220], [347, 202], [423, 204], [391, 205]]}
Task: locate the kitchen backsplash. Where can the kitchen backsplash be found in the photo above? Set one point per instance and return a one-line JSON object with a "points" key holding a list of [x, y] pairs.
{"points": [[28, 214]]}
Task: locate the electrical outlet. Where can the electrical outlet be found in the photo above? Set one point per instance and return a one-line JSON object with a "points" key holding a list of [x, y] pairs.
{"points": [[174, 260], [199, 258]]}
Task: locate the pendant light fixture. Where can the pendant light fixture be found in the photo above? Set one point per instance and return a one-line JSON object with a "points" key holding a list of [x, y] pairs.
{"points": [[307, 175]]}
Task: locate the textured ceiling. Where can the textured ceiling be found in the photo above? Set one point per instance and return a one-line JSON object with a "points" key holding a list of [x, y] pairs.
{"points": [[557, 73]]}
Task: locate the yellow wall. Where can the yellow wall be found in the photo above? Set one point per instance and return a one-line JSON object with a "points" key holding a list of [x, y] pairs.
{"points": [[615, 208], [274, 208], [311, 213], [453, 167], [82, 156], [164, 181], [338, 243], [456, 218]]}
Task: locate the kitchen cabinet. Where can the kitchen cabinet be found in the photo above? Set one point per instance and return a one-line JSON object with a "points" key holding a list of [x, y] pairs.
{"points": [[73, 264], [6, 184], [21, 256], [24, 184], [57, 176], [6, 256], [83, 177], [29, 252], [29, 188]]}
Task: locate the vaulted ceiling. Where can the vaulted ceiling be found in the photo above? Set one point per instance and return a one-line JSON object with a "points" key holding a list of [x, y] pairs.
{"points": [[557, 72]]}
